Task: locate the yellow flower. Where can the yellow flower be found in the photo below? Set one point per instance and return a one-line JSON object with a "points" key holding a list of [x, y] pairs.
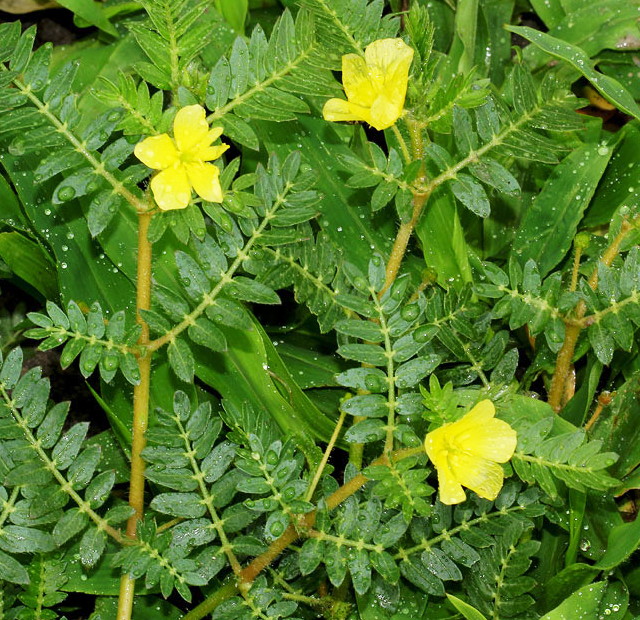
{"points": [[375, 85], [182, 160], [467, 453]]}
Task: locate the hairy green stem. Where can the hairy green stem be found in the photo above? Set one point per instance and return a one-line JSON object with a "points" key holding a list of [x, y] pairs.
{"points": [[140, 408], [572, 331], [224, 593], [419, 200]]}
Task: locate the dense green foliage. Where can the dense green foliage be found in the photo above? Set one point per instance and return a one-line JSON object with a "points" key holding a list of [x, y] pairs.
{"points": [[521, 285]]}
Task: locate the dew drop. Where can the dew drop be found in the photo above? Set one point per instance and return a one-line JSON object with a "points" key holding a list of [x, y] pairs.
{"points": [[276, 528], [410, 312], [66, 193]]}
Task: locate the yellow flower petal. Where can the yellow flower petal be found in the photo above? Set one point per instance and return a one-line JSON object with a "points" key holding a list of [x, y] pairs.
{"points": [[481, 412], [204, 179], [436, 447], [485, 436], [341, 110], [375, 85], [384, 113], [495, 440], [157, 152], [171, 188], [450, 491], [182, 160], [467, 453], [482, 476], [214, 134], [190, 128], [209, 153], [388, 59], [357, 81]]}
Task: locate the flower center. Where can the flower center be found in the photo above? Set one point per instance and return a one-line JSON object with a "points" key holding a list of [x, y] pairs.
{"points": [[187, 157]]}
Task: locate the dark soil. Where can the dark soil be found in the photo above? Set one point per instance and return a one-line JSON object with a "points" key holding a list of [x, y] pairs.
{"points": [[53, 25]]}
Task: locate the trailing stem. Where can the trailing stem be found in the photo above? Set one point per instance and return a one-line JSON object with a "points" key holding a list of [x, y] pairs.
{"points": [[140, 407], [573, 328], [419, 200], [291, 534]]}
